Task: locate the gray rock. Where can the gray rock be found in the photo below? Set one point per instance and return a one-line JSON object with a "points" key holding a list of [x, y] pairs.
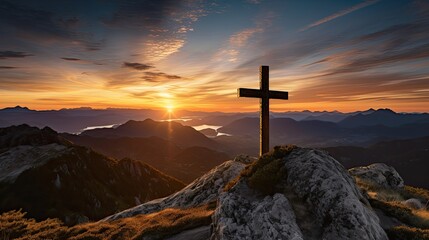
{"points": [[201, 191], [241, 215], [319, 182], [332, 196], [380, 174], [413, 203]]}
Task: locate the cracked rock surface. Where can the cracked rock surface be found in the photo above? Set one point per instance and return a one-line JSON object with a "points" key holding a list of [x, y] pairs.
{"points": [[321, 183]]}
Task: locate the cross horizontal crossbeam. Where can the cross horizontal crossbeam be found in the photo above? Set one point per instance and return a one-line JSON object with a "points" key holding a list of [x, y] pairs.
{"points": [[257, 93]]}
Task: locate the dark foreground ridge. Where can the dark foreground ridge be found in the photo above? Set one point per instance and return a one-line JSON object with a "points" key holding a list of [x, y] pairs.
{"points": [[289, 193]]}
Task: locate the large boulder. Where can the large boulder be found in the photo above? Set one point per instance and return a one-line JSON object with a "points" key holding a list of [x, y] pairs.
{"points": [[241, 215], [413, 203], [201, 191], [380, 174], [306, 177]]}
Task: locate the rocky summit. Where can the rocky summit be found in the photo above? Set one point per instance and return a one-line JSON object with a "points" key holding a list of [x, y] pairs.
{"points": [[311, 196], [289, 193]]}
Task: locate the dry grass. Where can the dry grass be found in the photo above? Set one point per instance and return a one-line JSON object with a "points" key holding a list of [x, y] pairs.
{"points": [[413, 192], [378, 192], [14, 225], [416, 221], [411, 217], [388, 194]]}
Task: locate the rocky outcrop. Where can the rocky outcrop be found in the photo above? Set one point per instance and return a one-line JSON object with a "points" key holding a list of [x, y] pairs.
{"points": [[413, 203], [380, 174], [201, 191], [241, 215], [333, 202]]}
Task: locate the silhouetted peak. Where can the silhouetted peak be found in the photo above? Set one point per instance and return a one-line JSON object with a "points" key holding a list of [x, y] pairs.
{"points": [[26, 135], [385, 110], [134, 123], [19, 107], [16, 109], [366, 112], [49, 130], [148, 125]]}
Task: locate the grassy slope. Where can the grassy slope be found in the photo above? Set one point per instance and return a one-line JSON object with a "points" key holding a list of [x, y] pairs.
{"points": [[415, 221], [14, 225]]}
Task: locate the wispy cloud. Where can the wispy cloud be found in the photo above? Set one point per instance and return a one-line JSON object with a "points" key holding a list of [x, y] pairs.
{"points": [[7, 67], [70, 59], [35, 25], [164, 24], [159, 76], [340, 14], [157, 49], [241, 39], [137, 66], [13, 54], [235, 42]]}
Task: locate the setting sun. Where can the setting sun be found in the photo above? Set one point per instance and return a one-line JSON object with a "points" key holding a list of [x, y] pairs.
{"points": [[169, 108]]}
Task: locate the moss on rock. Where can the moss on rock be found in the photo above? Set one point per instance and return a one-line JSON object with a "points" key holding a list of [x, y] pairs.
{"points": [[264, 174]]}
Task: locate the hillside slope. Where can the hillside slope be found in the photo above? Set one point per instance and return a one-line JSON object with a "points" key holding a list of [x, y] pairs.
{"points": [[47, 176], [185, 164], [171, 131]]}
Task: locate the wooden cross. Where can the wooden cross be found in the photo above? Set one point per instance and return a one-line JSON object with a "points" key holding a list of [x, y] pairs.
{"points": [[264, 94]]}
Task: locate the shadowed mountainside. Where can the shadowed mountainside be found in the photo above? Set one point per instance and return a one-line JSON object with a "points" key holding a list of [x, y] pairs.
{"points": [[185, 164], [183, 136], [48, 176]]}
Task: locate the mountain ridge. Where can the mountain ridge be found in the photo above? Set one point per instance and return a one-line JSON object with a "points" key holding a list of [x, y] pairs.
{"points": [[167, 130], [51, 177]]}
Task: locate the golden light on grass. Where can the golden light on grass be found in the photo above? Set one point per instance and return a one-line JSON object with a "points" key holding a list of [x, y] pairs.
{"points": [[167, 222]]}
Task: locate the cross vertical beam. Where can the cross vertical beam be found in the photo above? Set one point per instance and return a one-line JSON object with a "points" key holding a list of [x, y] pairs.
{"points": [[264, 115], [264, 94]]}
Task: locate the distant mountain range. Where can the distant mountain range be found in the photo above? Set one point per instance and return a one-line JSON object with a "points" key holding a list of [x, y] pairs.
{"points": [[385, 117], [76, 119], [48, 176], [361, 129], [171, 146]]}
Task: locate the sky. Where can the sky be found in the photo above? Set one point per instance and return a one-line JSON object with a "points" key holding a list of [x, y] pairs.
{"points": [[194, 54]]}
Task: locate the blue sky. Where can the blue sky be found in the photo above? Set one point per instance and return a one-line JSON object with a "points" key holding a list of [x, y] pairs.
{"points": [[193, 54]]}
